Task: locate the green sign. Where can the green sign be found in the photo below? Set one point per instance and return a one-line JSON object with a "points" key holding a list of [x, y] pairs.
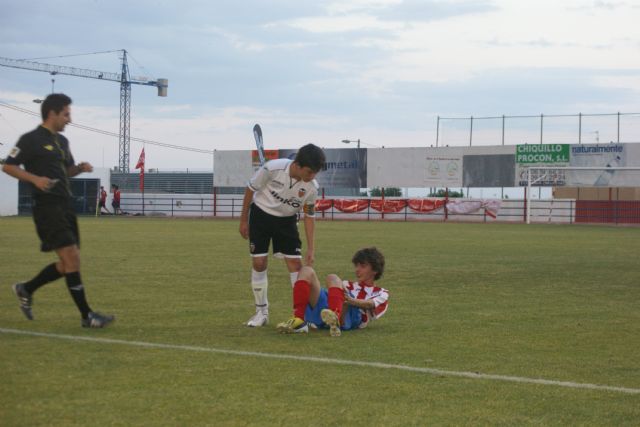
{"points": [[542, 153]]}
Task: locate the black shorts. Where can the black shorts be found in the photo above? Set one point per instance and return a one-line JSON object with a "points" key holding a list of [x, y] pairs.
{"points": [[115, 205], [56, 224], [264, 228], [101, 204]]}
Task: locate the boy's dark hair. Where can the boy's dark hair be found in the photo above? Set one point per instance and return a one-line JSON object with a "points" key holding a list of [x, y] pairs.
{"points": [[310, 156], [54, 102], [371, 256]]}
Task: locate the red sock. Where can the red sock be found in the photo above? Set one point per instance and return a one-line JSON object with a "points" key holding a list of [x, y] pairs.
{"points": [[301, 291], [336, 300]]}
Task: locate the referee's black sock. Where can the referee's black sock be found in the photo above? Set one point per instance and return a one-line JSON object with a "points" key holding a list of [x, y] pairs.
{"points": [[74, 283], [48, 274]]}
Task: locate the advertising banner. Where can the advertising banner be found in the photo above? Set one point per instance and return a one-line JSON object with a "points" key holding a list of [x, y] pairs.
{"points": [[538, 155], [608, 155], [542, 154], [397, 167], [578, 155], [232, 168], [488, 170], [443, 170], [268, 155], [343, 167], [476, 167]]}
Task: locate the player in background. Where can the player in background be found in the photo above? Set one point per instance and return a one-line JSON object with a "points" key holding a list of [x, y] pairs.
{"points": [[115, 203], [342, 305], [275, 194], [48, 165], [102, 204]]}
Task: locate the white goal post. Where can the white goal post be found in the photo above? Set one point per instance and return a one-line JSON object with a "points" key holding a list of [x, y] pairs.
{"points": [[560, 176]]}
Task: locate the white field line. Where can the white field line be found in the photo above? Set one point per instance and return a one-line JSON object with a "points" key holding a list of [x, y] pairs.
{"points": [[431, 371]]}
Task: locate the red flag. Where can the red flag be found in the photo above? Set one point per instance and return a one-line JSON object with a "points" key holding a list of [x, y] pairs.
{"points": [[140, 165]]}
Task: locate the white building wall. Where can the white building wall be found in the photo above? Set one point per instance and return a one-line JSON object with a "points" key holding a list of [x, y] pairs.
{"points": [[8, 195]]}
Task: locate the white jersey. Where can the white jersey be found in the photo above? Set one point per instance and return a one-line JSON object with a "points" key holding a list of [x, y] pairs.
{"points": [[278, 194]]}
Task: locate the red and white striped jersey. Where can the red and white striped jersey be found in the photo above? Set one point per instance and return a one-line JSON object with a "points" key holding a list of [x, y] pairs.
{"points": [[379, 296]]}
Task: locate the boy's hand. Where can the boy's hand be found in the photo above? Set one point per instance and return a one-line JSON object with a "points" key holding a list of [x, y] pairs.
{"points": [[244, 229], [309, 258]]}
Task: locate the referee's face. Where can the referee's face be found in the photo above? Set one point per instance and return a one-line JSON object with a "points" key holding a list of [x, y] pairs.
{"points": [[61, 119]]}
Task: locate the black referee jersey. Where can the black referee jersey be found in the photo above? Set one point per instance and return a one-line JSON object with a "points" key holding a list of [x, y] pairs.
{"points": [[44, 153]]}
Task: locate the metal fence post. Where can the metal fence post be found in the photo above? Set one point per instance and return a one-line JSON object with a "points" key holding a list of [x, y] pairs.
{"points": [[406, 208], [215, 201]]}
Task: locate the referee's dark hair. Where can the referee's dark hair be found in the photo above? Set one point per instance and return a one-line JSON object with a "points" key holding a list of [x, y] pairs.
{"points": [[310, 156], [371, 256], [54, 102]]}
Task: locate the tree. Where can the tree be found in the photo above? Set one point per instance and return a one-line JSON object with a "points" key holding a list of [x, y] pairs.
{"points": [[442, 193], [388, 192]]}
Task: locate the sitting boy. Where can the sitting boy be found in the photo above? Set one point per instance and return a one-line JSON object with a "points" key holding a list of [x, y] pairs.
{"points": [[343, 305]]}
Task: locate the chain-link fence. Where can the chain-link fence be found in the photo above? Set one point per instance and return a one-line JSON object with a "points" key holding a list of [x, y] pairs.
{"points": [[544, 129]]}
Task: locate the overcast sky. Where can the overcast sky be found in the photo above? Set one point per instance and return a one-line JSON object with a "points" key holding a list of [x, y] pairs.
{"points": [[322, 71]]}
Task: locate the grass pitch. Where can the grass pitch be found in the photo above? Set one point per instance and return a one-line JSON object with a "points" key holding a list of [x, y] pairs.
{"points": [[559, 303]]}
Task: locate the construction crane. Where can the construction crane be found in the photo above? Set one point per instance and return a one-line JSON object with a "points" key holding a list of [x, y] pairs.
{"points": [[123, 78]]}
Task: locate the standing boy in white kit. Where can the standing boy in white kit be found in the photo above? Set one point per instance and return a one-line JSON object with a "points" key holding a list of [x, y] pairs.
{"points": [[274, 196]]}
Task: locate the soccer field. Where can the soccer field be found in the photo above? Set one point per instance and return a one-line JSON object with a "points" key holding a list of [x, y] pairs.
{"points": [[487, 324]]}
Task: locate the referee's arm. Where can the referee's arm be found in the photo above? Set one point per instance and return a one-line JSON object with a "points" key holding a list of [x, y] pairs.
{"points": [[42, 183], [78, 169]]}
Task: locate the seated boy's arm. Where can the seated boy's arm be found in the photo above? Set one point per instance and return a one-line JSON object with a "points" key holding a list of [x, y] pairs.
{"points": [[365, 304]]}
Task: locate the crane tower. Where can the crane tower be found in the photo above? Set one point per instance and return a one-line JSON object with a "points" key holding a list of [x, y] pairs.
{"points": [[123, 78]]}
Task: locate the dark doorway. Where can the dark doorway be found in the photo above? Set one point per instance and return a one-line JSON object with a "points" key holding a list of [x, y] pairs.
{"points": [[85, 196]]}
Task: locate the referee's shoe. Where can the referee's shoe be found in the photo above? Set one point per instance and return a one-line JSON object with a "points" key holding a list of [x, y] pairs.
{"points": [[97, 320], [25, 298]]}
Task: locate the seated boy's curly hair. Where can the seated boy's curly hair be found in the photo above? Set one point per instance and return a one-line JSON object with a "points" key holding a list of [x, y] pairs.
{"points": [[371, 256]]}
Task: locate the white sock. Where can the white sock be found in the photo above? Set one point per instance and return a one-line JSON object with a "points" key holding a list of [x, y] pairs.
{"points": [[294, 278], [259, 285]]}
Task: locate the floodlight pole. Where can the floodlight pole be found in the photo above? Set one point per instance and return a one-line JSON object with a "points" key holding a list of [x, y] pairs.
{"points": [[349, 141]]}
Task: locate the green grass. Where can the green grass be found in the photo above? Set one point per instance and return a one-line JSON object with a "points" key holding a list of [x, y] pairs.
{"points": [[555, 302]]}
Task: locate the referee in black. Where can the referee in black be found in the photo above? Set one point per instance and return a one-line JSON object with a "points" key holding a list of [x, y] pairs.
{"points": [[48, 165]]}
